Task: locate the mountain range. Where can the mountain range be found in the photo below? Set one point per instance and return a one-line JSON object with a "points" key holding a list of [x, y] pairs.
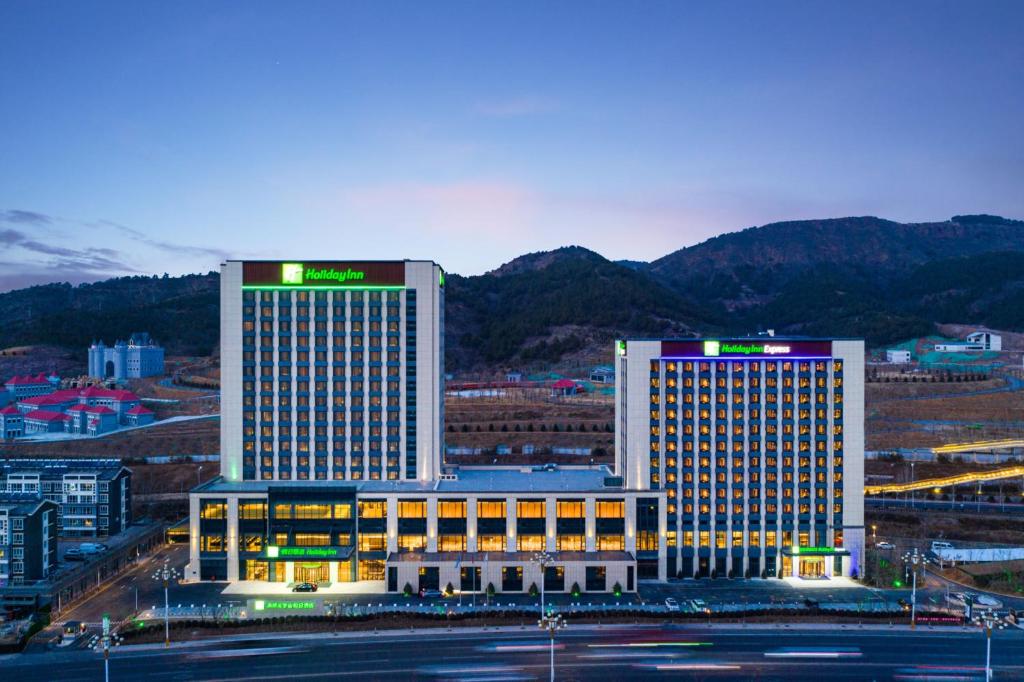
{"points": [[863, 276]]}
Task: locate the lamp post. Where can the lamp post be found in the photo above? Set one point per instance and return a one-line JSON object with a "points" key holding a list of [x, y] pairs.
{"points": [[106, 641], [913, 558], [542, 559], [874, 534], [911, 480], [199, 475], [552, 623], [167, 574], [988, 620]]}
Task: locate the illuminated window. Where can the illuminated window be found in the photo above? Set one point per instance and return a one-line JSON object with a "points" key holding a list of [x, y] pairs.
{"points": [[490, 509], [451, 543], [570, 509], [611, 542], [570, 543], [372, 542], [530, 543], [412, 509], [371, 509], [530, 509], [451, 509], [491, 543], [412, 543]]}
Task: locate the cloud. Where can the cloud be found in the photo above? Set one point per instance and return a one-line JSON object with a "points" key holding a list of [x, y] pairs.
{"points": [[20, 217], [89, 260], [514, 107], [166, 247]]}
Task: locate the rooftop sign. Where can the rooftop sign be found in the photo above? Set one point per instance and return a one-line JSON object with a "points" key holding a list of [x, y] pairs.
{"points": [[746, 348], [323, 274]]}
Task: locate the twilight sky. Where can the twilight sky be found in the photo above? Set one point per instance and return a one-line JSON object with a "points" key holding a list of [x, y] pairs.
{"points": [[151, 137]]}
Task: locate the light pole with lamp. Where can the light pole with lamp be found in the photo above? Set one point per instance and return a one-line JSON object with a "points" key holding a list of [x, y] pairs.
{"points": [[874, 534], [988, 620], [106, 641], [552, 623], [911, 481], [199, 475], [542, 559], [167, 574], [913, 558]]}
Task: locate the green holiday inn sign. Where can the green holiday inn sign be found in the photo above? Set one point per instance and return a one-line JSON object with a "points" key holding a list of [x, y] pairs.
{"points": [[302, 552], [297, 273]]}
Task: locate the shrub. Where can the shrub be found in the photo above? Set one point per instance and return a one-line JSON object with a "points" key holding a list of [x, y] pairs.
{"points": [[533, 590], [490, 589], [617, 589], [449, 589], [407, 590], [575, 589]]}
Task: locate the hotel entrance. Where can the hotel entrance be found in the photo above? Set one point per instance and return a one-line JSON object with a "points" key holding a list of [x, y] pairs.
{"points": [[312, 572], [812, 567]]}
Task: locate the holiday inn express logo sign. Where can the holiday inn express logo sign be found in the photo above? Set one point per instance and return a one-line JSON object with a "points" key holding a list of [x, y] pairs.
{"points": [[713, 349], [295, 273]]}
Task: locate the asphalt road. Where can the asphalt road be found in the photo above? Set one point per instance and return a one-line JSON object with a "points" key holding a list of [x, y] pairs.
{"points": [[919, 505], [826, 652]]}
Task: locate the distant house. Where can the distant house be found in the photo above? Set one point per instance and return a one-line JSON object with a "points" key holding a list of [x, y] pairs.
{"points": [[603, 374], [44, 421], [976, 342], [12, 422], [28, 386], [564, 387], [139, 416], [513, 377], [897, 356]]}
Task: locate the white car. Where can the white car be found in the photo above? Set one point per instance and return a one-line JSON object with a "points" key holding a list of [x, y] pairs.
{"points": [[671, 604], [699, 605], [986, 600], [885, 545]]}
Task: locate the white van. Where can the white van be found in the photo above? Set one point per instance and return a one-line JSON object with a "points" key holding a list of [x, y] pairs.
{"points": [[939, 545], [91, 548]]}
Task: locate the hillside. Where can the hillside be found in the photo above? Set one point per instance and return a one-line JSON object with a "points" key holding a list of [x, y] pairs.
{"points": [[863, 276]]}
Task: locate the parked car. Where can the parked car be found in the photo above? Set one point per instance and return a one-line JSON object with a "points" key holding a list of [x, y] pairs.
{"points": [[91, 548], [671, 604], [884, 545], [699, 605], [938, 544], [305, 587], [74, 554], [430, 594]]}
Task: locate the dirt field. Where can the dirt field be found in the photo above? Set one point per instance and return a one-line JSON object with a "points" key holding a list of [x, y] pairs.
{"points": [[530, 417]]}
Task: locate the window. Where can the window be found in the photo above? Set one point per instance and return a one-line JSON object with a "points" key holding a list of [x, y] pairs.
{"points": [[570, 543], [570, 509], [372, 542], [530, 543], [451, 509], [213, 510], [312, 539], [491, 543], [530, 509], [611, 542], [647, 541], [412, 543], [312, 511], [372, 509], [252, 510], [211, 543], [412, 509], [282, 511], [451, 543], [490, 509], [251, 542], [371, 569], [611, 509]]}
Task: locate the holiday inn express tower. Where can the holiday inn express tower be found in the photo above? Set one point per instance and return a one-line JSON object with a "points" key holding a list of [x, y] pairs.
{"points": [[331, 370], [759, 444]]}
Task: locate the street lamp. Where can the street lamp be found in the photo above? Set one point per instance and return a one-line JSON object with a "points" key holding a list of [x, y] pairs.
{"points": [[542, 559], [199, 475], [911, 481], [988, 620], [552, 623], [913, 558], [106, 641], [874, 534], [167, 574]]}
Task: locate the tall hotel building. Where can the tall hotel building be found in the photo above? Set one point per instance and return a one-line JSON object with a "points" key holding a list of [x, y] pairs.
{"points": [[759, 445], [331, 453]]}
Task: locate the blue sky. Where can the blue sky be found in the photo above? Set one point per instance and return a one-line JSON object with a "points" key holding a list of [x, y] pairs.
{"points": [[152, 137]]}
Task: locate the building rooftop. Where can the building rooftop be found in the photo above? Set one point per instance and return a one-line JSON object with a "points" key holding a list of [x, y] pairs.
{"points": [[468, 480], [46, 416], [104, 469], [28, 380], [21, 503]]}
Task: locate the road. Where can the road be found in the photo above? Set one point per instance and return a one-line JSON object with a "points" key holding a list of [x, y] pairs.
{"points": [[609, 653], [919, 504]]}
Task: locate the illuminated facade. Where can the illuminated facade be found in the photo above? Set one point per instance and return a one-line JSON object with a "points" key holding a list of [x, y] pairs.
{"points": [[759, 445], [331, 442]]}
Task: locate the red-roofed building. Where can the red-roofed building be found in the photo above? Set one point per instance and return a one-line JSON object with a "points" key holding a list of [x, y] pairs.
{"points": [[44, 421], [563, 387], [28, 386], [12, 422], [57, 401], [139, 415]]}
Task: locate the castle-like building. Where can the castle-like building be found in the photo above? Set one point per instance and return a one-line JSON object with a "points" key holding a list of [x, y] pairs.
{"points": [[139, 357]]}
